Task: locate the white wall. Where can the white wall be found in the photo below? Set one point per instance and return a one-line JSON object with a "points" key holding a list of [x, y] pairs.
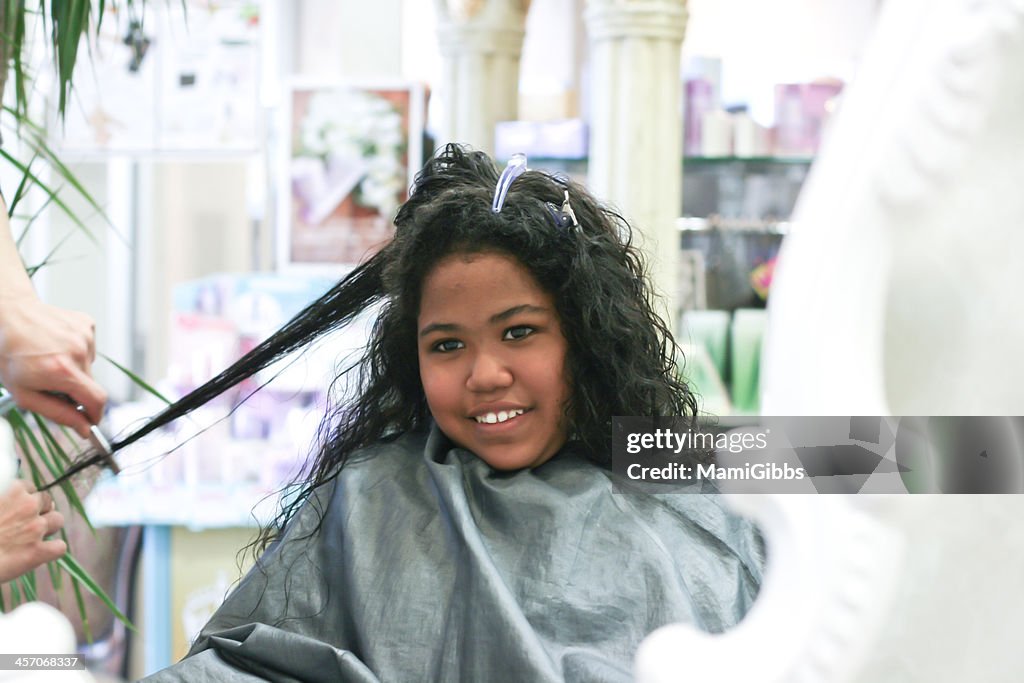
{"points": [[194, 223], [350, 39], [762, 43]]}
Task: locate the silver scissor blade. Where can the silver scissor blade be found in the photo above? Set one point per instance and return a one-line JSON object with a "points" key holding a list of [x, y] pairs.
{"points": [[101, 443]]}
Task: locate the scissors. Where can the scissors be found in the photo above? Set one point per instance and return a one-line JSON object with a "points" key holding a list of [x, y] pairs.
{"points": [[96, 438]]}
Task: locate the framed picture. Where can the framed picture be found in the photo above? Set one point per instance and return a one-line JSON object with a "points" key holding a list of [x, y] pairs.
{"points": [[352, 151]]}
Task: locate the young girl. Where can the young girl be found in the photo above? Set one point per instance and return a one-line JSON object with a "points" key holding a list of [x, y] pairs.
{"points": [[459, 522]]}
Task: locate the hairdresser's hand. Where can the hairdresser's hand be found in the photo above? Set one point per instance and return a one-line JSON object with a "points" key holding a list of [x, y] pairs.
{"points": [[26, 519], [48, 349]]}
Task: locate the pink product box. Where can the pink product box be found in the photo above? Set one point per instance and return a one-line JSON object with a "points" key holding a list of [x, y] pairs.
{"points": [[218, 319], [565, 139], [698, 102], [265, 414], [801, 113], [201, 346]]}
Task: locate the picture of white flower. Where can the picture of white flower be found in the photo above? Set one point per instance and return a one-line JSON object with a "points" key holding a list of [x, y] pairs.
{"points": [[349, 170]]}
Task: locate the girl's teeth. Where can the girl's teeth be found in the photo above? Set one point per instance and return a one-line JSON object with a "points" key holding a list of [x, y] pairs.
{"points": [[501, 416]]}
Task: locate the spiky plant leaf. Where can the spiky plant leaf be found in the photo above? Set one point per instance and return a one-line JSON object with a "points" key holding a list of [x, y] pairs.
{"points": [[67, 24]]}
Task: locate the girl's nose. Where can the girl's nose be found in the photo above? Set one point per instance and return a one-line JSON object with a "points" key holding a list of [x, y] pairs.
{"points": [[488, 373]]}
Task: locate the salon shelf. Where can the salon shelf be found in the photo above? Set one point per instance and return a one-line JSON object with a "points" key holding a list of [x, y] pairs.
{"points": [[758, 189], [768, 161], [193, 507], [783, 160], [704, 224]]}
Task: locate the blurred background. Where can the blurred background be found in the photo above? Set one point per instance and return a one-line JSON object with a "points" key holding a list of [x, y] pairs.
{"points": [[247, 153]]}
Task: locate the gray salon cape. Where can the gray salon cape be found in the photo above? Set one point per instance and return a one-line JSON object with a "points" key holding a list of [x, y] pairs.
{"points": [[431, 566]]}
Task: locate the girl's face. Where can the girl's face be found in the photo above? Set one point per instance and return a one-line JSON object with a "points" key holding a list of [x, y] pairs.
{"points": [[493, 360]]}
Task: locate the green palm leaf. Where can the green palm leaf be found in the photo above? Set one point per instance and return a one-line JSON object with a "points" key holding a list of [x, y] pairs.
{"points": [[135, 378], [67, 24], [51, 193]]}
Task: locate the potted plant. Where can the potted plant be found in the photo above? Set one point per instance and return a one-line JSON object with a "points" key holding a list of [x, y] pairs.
{"points": [[67, 25]]}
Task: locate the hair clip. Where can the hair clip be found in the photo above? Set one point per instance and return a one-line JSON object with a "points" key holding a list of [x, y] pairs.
{"points": [[564, 216], [516, 167]]}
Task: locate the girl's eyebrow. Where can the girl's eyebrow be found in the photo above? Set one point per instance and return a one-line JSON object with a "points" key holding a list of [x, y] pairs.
{"points": [[438, 327], [496, 318], [521, 308]]}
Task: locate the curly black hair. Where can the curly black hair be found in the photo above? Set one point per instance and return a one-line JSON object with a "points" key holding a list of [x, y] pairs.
{"points": [[622, 358]]}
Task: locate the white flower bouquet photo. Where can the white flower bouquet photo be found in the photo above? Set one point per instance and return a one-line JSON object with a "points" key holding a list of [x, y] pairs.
{"points": [[352, 151]]}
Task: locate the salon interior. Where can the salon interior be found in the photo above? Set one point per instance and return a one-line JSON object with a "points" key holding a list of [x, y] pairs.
{"points": [[825, 192]]}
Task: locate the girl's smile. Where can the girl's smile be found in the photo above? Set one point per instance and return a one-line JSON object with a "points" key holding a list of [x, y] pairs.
{"points": [[492, 360], [502, 416]]}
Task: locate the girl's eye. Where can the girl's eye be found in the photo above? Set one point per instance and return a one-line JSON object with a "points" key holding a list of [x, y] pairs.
{"points": [[520, 332], [447, 346]]}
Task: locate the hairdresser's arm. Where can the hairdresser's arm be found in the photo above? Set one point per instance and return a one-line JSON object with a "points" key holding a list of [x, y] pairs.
{"points": [[26, 519], [43, 348]]}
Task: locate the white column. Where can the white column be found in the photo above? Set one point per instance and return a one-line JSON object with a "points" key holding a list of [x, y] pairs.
{"points": [[121, 275], [481, 42], [636, 123]]}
